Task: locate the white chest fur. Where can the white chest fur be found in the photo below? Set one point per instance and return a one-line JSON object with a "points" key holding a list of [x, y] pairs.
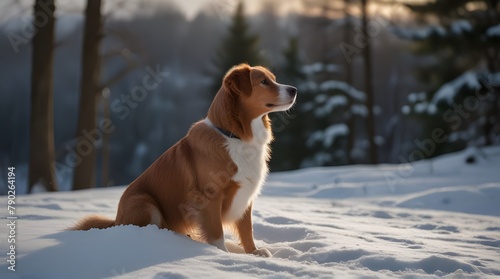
{"points": [[251, 159]]}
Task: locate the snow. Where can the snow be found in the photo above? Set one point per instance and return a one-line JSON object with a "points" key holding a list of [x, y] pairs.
{"points": [[461, 26], [330, 104], [345, 87], [329, 135], [493, 31], [417, 96], [359, 109], [448, 91], [326, 103], [405, 109], [379, 140], [421, 107], [432, 109], [320, 67], [457, 27], [426, 219], [420, 33]]}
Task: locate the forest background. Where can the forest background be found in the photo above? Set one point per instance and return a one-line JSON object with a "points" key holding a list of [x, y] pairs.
{"points": [[92, 92]]}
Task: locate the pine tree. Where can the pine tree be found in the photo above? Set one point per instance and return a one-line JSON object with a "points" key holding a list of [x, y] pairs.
{"points": [[465, 45], [292, 70], [288, 128], [239, 46], [331, 104]]}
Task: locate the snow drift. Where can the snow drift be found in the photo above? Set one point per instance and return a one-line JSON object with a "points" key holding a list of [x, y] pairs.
{"points": [[433, 218]]}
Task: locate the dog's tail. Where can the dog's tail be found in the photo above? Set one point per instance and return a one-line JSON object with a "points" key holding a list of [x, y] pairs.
{"points": [[93, 222]]}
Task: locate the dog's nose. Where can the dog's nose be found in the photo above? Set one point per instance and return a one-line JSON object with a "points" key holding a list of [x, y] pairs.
{"points": [[292, 91]]}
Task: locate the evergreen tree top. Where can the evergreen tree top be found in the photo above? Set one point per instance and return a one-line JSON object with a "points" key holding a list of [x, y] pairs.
{"points": [[238, 46], [449, 8], [439, 7]]}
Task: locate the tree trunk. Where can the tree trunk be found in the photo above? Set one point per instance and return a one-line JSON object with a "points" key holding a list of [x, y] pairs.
{"points": [[41, 163], [351, 124], [88, 136], [105, 143], [370, 121]]}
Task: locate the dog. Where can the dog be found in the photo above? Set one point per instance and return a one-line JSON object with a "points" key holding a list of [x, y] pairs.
{"points": [[208, 180]]}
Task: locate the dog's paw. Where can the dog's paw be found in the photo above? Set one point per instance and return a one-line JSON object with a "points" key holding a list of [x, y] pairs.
{"points": [[262, 252]]}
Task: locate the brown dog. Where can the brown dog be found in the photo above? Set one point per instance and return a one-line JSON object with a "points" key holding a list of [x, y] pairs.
{"points": [[210, 178]]}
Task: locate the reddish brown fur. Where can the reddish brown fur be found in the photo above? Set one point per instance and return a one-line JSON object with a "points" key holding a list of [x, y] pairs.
{"points": [[234, 107], [189, 188], [94, 221]]}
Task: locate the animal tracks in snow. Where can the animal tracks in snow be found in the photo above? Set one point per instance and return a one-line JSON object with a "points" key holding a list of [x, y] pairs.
{"points": [[379, 238]]}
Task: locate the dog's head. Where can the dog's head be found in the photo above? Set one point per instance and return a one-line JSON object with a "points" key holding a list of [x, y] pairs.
{"points": [[257, 90]]}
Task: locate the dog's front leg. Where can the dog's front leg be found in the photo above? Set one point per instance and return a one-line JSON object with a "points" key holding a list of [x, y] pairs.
{"points": [[211, 224], [245, 232]]}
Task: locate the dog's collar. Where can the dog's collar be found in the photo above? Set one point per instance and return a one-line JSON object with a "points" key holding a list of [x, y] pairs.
{"points": [[227, 133]]}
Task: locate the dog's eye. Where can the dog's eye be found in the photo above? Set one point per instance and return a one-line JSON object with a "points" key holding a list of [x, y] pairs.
{"points": [[265, 82]]}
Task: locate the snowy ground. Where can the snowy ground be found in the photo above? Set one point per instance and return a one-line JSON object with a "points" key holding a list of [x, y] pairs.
{"points": [[438, 218]]}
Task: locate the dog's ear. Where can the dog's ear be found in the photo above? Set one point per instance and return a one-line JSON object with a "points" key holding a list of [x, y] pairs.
{"points": [[238, 80]]}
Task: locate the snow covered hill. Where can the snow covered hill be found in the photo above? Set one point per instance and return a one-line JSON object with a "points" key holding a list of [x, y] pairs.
{"points": [[435, 218]]}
